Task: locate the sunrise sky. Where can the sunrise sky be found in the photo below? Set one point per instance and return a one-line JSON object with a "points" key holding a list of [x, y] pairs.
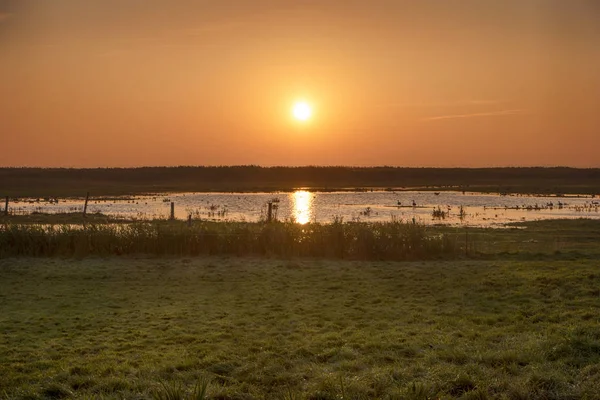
{"points": [[102, 83]]}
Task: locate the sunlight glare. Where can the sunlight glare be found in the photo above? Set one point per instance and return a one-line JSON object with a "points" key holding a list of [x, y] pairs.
{"points": [[302, 111], [302, 203]]}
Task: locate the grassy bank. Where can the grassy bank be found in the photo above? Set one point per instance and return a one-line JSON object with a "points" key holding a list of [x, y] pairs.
{"points": [[65, 218], [307, 329], [567, 239]]}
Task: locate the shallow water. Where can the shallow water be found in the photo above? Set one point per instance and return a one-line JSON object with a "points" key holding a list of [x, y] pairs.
{"points": [[479, 209]]}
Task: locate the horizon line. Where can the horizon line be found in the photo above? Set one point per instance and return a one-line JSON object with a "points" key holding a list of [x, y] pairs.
{"points": [[303, 166]]}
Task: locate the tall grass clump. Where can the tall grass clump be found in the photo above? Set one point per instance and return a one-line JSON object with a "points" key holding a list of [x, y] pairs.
{"points": [[366, 241], [176, 391]]}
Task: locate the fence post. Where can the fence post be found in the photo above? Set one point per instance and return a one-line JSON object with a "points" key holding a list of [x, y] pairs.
{"points": [[172, 210], [6, 206], [87, 197], [270, 211]]}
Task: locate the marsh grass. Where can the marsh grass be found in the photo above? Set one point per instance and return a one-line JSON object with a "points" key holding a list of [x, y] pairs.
{"points": [[116, 327], [367, 241], [394, 240]]}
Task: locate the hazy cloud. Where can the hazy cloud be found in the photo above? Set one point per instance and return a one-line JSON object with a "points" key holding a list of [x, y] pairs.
{"points": [[457, 103], [4, 16], [485, 102], [482, 114], [222, 26]]}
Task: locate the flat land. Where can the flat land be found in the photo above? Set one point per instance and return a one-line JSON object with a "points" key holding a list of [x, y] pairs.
{"points": [[65, 182], [118, 327]]}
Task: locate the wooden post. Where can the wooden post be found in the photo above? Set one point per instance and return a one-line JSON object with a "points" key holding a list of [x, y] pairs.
{"points": [[270, 211], [6, 206], [172, 210], [87, 197]]}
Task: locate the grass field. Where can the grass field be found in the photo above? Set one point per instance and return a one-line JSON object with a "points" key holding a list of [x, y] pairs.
{"points": [[317, 329]]}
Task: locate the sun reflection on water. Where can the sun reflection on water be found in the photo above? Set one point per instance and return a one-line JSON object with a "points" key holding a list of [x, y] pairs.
{"points": [[302, 206]]}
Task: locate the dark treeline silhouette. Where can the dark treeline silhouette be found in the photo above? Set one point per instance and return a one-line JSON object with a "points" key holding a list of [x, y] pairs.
{"points": [[116, 181]]}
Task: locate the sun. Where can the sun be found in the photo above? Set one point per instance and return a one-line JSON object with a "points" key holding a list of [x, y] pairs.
{"points": [[302, 111]]}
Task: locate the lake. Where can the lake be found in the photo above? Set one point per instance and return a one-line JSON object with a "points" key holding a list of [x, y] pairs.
{"points": [[449, 208]]}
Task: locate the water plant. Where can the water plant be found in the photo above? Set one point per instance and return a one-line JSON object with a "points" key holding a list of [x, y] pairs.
{"points": [[438, 213]]}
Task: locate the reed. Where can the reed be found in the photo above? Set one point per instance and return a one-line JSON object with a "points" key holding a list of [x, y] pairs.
{"points": [[356, 240]]}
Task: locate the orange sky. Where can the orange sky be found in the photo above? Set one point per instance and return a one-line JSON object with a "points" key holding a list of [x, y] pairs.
{"points": [[407, 83]]}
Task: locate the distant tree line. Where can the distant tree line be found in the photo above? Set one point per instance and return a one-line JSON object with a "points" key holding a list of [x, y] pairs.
{"points": [[115, 181]]}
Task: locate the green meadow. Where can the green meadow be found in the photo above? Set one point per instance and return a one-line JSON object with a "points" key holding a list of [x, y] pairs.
{"points": [[144, 327]]}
